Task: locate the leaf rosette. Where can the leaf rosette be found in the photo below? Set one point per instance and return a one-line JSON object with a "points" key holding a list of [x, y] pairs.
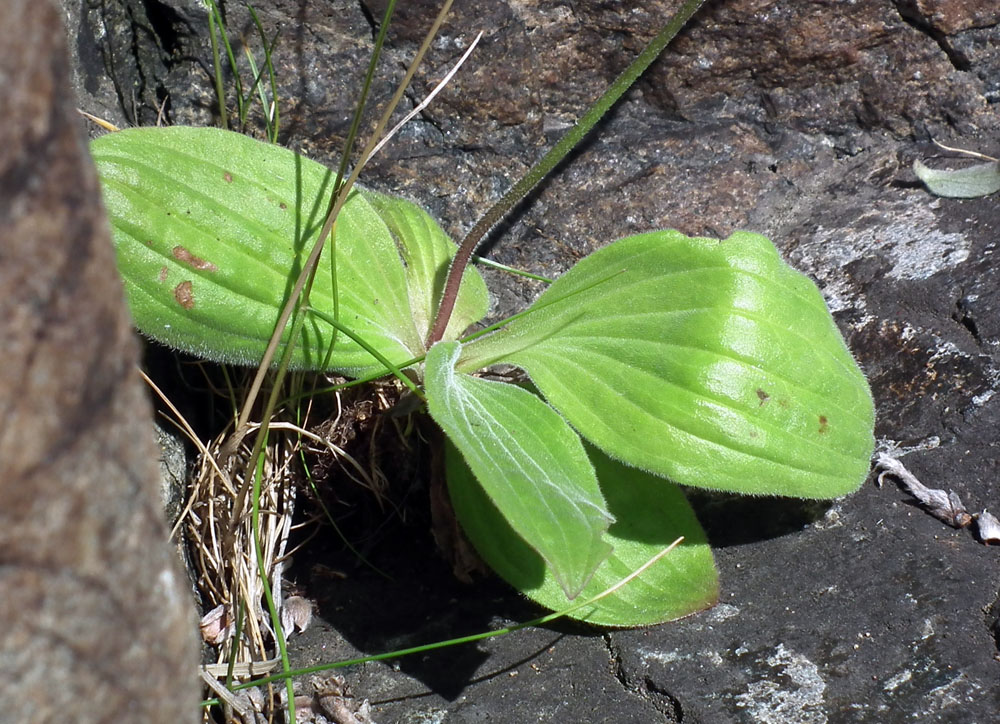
{"points": [[660, 360]]}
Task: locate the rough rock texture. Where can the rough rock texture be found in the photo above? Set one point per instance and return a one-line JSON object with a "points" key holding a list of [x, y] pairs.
{"points": [[97, 619], [798, 120]]}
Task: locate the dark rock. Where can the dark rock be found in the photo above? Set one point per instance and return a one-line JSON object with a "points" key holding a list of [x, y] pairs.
{"points": [[97, 619], [798, 120]]}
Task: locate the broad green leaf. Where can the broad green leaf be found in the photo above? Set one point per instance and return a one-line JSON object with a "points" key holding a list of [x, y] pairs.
{"points": [[530, 463], [211, 229], [712, 363], [963, 183], [650, 513], [427, 252]]}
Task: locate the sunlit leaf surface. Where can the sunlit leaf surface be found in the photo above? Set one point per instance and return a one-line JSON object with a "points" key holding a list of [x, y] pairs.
{"points": [[650, 514], [712, 363], [528, 461], [212, 228]]}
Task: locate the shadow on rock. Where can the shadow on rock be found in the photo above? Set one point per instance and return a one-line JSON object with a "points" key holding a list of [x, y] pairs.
{"points": [[732, 520]]}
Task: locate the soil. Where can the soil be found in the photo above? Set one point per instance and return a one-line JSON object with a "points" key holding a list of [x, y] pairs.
{"points": [[796, 120]]}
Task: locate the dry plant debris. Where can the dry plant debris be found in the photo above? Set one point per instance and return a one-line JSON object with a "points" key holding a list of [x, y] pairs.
{"points": [[331, 703], [218, 529], [296, 614], [946, 506], [988, 528]]}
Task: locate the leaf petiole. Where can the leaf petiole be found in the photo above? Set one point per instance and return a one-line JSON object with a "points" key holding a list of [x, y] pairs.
{"points": [[396, 371], [551, 159]]}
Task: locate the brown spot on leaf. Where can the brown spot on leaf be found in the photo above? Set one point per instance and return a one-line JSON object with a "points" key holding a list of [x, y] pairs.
{"points": [[163, 274], [762, 396], [184, 294], [824, 424], [282, 206], [195, 262], [227, 177]]}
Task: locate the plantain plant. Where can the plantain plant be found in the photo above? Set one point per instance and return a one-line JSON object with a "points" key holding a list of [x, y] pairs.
{"points": [[656, 362]]}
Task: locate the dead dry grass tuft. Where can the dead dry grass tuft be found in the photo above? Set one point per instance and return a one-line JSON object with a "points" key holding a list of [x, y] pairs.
{"points": [[233, 574]]}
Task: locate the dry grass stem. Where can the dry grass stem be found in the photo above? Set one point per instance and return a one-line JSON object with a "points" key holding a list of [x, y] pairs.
{"points": [[430, 96], [225, 567]]}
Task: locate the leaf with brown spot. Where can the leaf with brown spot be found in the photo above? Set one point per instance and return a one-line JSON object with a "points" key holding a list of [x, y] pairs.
{"points": [[656, 349], [184, 294], [195, 262], [162, 185]]}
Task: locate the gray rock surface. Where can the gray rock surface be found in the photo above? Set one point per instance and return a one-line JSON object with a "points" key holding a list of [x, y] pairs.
{"points": [[98, 623], [797, 120]]}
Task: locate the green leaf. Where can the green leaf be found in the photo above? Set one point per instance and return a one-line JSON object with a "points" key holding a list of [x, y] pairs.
{"points": [[530, 463], [211, 230], [712, 363], [427, 252], [650, 514], [964, 183]]}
